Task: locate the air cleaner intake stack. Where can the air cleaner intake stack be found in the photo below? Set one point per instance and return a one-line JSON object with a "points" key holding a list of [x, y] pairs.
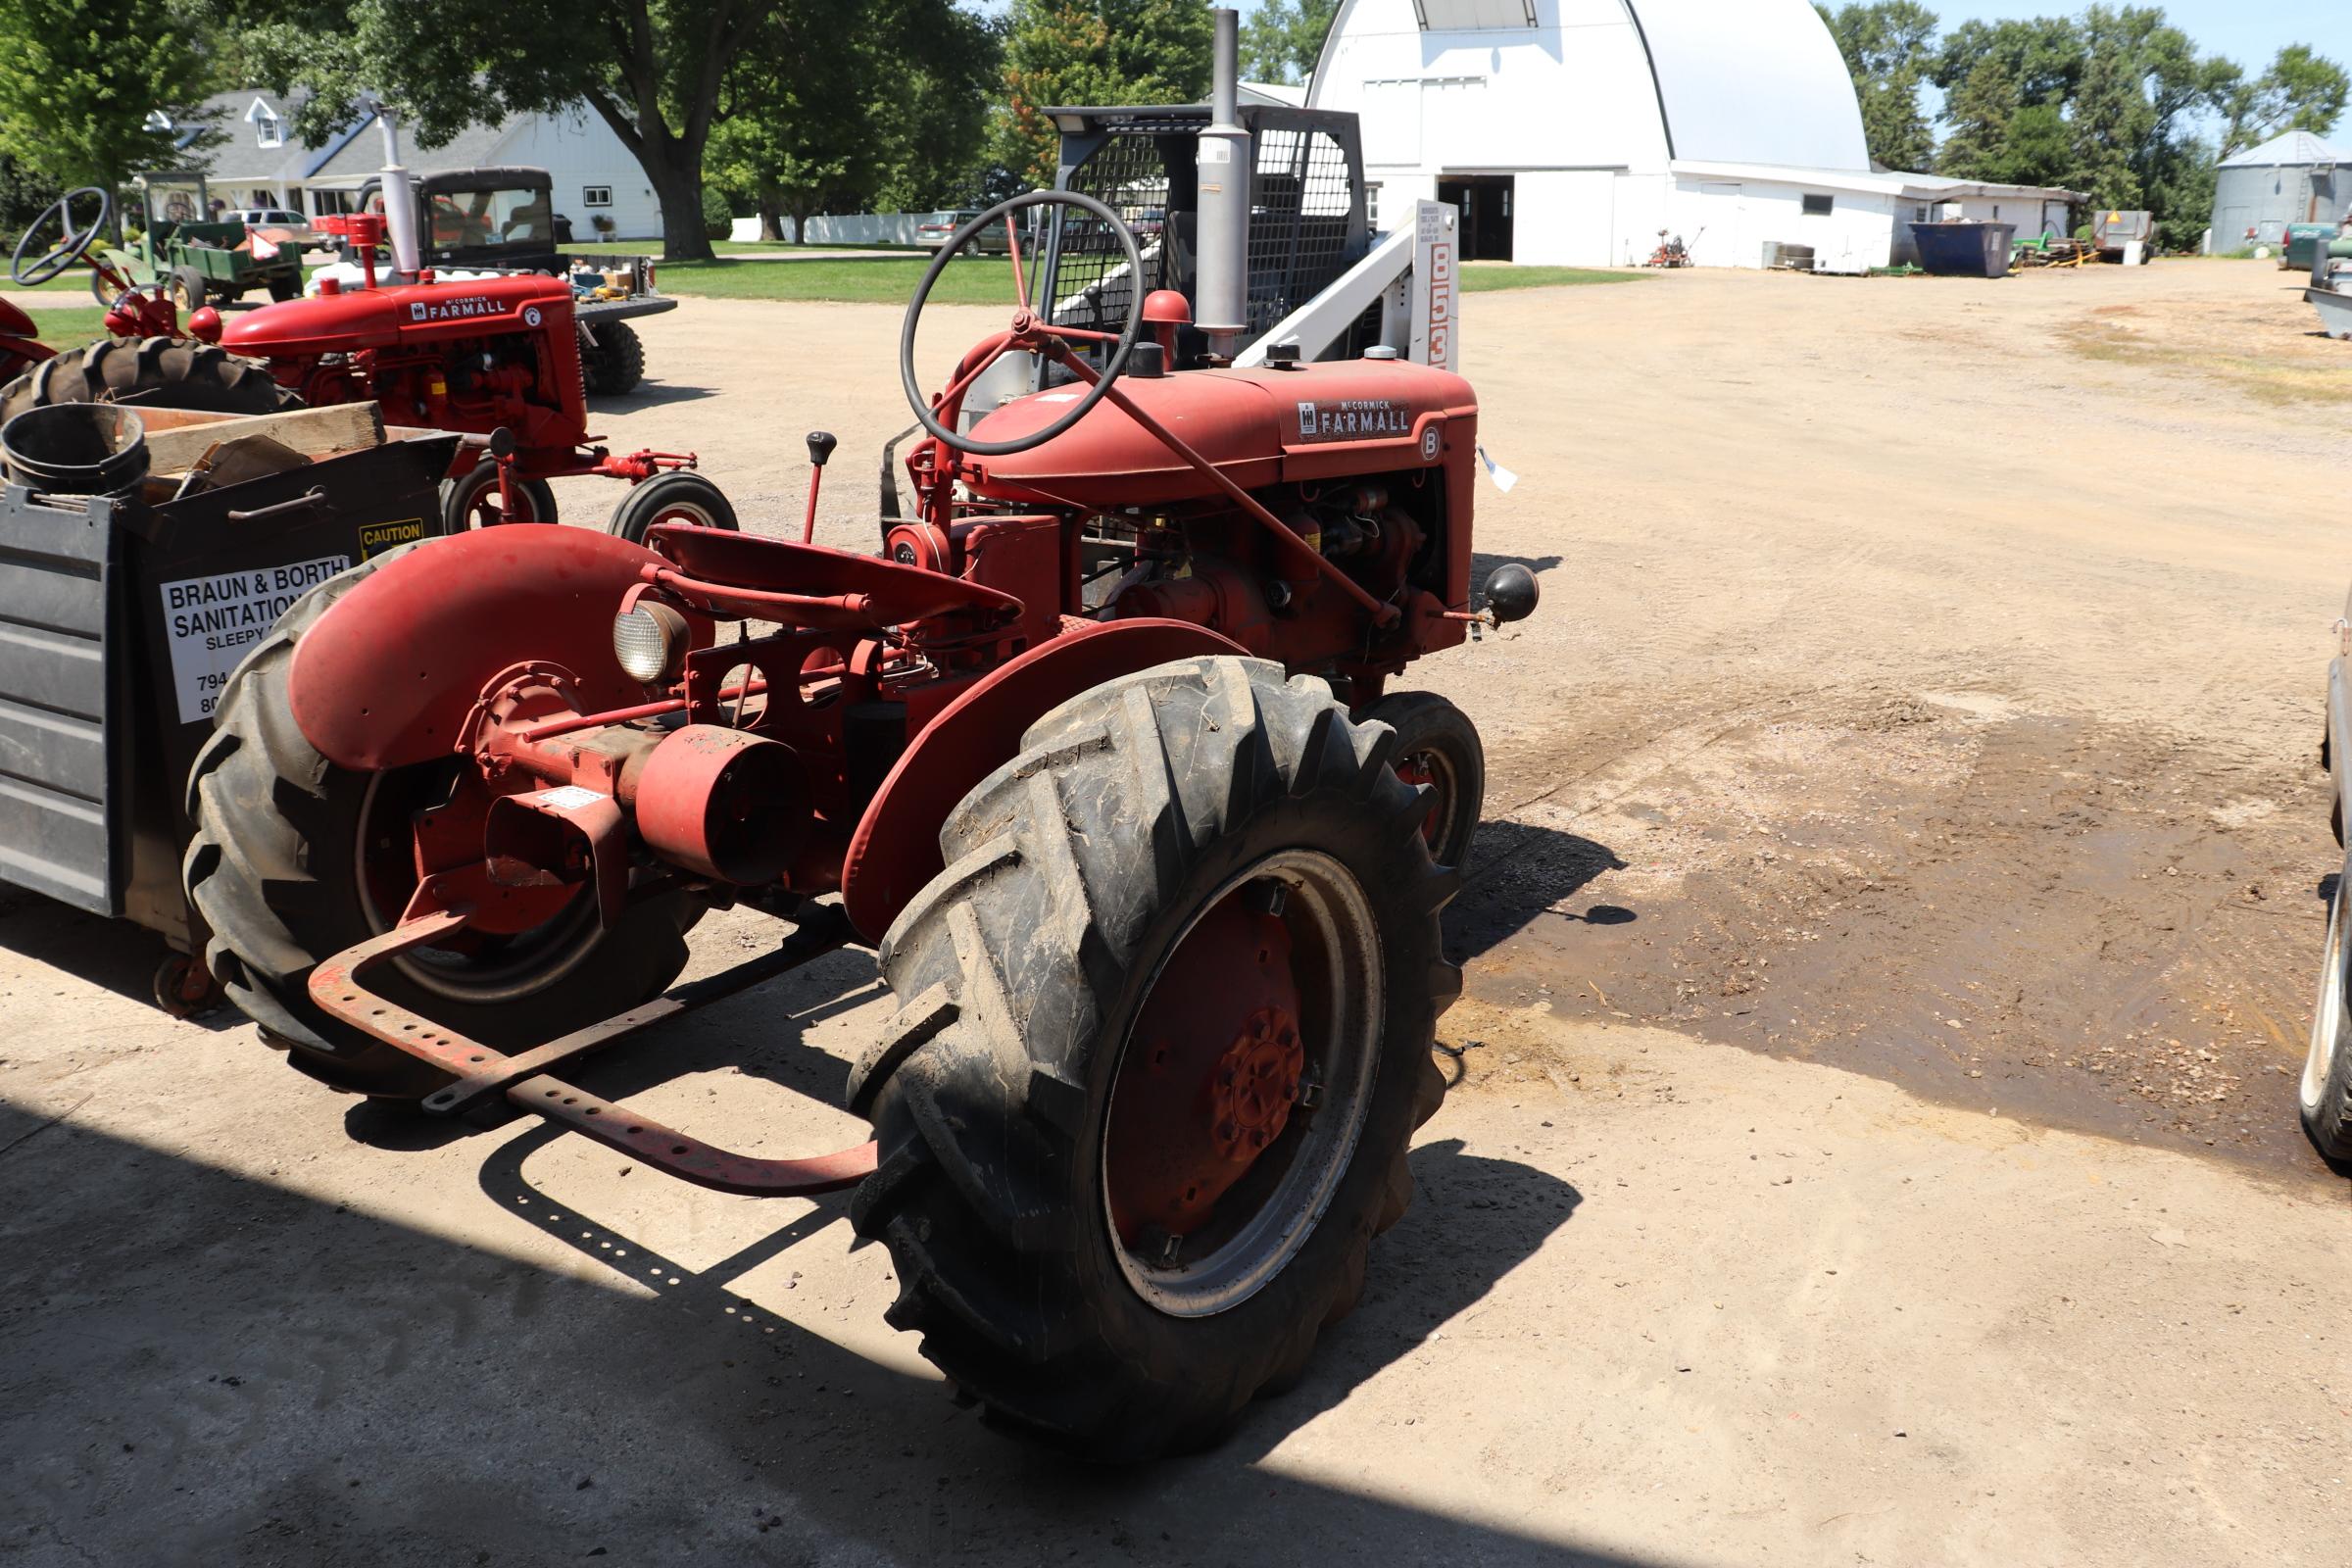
{"points": [[1222, 174]]}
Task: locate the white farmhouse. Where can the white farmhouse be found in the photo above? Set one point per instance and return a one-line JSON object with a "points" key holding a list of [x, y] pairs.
{"points": [[1573, 131], [258, 163]]}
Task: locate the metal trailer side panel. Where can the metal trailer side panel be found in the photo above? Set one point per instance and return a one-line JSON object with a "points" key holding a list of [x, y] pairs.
{"points": [[59, 747]]}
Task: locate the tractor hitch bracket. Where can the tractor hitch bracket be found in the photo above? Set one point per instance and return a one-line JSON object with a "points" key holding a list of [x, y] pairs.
{"points": [[481, 1075]]}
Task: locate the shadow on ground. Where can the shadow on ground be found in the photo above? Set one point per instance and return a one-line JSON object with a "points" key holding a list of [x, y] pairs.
{"points": [[209, 1367], [649, 395], [1520, 873], [116, 955]]}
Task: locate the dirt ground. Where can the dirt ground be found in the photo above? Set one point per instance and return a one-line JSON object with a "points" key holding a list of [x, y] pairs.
{"points": [[1889, 953]]}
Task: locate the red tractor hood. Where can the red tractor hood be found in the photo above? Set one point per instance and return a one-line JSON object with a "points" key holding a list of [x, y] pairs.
{"points": [[1259, 427], [14, 322], [380, 318]]}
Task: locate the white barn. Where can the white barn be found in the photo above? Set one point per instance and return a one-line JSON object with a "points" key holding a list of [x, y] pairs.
{"points": [[1572, 131]]}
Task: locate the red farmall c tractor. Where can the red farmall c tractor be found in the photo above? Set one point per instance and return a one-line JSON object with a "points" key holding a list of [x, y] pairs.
{"points": [[1096, 751], [481, 356]]}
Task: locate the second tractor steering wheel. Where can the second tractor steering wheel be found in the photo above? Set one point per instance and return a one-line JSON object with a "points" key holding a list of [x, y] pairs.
{"points": [[71, 245], [1030, 331]]}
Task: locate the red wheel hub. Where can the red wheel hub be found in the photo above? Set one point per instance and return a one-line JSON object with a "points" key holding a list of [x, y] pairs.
{"points": [[1211, 1073], [1417, 771], [1256, 1083]]}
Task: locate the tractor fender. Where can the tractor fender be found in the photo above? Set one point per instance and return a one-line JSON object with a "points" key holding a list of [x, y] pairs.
{"points": [[388, 675], [896, 847]]}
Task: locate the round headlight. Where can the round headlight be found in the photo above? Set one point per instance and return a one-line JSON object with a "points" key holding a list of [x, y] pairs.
{"points": [[649, 642]]}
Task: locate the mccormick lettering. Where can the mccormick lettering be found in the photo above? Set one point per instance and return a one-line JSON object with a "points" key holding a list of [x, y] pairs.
{"points": [[454, 310], [1354, 420]]}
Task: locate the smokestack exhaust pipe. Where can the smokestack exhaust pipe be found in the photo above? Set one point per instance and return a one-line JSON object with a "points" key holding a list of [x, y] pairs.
{"points": [[1222, 173]]}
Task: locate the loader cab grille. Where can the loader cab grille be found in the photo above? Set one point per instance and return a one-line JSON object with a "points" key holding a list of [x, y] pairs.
{"points": [[1307, 221]]}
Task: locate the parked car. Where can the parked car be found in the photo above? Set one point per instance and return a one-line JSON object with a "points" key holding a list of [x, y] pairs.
{"points": [[991, 241], [267, 218]]}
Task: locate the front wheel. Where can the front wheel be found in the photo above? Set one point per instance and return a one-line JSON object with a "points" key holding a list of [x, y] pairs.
{"points": [[678, 496], [2325, 1092], [186, 288], [294, 859], [1162, 1039], [1437, 746], [473, 500]]}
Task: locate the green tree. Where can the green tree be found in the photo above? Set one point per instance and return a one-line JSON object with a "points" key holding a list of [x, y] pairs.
{"points": [[659, 73], [1081, 52], [1282, 39], [82, 80], [1886, 45], [2043, 56], [1978, 111], [2301, 92], [890, 116]]}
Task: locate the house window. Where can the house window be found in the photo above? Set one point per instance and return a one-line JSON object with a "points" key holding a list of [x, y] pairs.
{"points": [[1819, 205], [266, 131], [596, 195], [1372, 207], [1997, 211], [1919, 214]]}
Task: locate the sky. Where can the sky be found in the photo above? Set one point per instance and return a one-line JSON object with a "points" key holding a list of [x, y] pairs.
{"points": [[2248, 31]]}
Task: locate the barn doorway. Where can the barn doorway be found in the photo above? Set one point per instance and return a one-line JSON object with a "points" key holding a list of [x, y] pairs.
{"points": [[1485, 202]]}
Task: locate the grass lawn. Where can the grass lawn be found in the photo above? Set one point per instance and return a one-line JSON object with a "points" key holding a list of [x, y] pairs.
{"points": [[66, 327], [1479, 278], [968, 280], [981, 279], [767, 247]]}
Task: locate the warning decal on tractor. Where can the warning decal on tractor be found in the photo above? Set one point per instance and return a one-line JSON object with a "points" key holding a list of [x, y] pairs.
{"points": [[213, 622], [377, 537]]}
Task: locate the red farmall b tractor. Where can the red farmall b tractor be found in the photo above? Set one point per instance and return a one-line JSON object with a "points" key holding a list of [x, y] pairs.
{"points": [[1095, 750], [483, 356]]}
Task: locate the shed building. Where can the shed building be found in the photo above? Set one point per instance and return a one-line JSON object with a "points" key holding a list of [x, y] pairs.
{"points": [[1573, 131], [2294, 178]]}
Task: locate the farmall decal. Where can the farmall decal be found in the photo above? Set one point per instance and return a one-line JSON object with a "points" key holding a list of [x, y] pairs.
{"points": [[454, 310], [1355, 419]]}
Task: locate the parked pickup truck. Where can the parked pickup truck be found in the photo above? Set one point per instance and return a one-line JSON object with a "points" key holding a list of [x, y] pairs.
{"points": [[503, 220]]}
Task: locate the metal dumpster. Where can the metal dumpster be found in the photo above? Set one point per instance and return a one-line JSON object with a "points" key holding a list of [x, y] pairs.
{"points": [[120, 622], [1964, 250]]}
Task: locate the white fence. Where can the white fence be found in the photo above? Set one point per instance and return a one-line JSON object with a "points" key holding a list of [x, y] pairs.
{"points": [[850, 228]]}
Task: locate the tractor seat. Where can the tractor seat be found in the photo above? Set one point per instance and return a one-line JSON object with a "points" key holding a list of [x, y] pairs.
{"points": [[742, 574]]}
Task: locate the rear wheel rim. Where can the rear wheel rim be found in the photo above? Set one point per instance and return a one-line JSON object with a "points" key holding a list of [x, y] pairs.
{"points": [[2327, 1017], [1276, 1206], [484, 510], [500, 969]]}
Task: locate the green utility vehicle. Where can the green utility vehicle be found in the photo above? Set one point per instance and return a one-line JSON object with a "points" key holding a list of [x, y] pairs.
{"points": [[200, 262]]}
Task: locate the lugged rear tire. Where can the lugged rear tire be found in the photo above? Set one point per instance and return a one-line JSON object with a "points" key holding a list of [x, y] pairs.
{"points": [[172, 373], [273, 871], [1073, 873]]}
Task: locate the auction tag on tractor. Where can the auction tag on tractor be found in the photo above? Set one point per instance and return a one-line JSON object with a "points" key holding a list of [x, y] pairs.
{"points": [[212, 622]]}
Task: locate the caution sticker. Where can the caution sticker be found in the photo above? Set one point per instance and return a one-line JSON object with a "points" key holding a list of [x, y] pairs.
{"points": [[213, 622], [378, 537]]}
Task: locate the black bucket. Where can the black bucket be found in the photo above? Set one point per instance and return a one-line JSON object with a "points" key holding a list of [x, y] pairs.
{"points": [[76, 449]]}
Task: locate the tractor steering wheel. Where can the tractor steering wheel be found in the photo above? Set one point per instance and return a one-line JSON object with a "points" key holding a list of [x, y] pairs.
{"points": [[71, 245], [1030, 332]]}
